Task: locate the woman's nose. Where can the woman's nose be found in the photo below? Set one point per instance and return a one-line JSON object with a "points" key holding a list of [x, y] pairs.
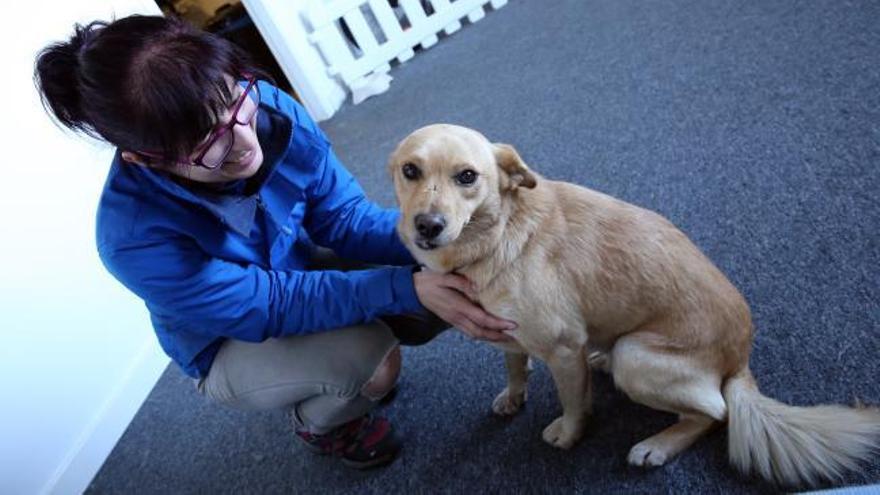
{"points": [[243, 134]]}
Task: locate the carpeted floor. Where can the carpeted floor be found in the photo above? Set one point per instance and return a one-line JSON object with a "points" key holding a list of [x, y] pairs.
{"points": [[754, 126]]}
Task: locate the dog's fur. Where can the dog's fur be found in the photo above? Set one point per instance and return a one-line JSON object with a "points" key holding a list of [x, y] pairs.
{"points": [[577, 269]]}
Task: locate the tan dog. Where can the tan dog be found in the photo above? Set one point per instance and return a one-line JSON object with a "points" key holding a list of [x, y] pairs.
{"points": [[577, 268]]}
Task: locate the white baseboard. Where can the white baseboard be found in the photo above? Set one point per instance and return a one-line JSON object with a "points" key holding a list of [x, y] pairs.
{"points": [[96, 442]]}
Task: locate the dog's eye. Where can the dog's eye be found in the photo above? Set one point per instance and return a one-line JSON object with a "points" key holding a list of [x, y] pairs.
{"points": [[411, 172], [466, 177]]}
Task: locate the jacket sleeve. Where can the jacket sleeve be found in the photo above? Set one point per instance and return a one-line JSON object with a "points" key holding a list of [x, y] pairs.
{"points": [[340, 216], [216, 297]]}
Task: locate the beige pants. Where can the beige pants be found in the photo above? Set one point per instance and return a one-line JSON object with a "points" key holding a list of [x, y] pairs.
{"points": [[318, 377]]}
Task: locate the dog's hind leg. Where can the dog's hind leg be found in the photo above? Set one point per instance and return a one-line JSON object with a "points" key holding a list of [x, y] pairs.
{"points": [[572, 377], [599, 360], [669, 382], [657, 449], [511, 399]]}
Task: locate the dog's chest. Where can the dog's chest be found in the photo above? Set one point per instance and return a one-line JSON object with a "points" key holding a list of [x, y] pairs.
{"points": [[543, 314]]}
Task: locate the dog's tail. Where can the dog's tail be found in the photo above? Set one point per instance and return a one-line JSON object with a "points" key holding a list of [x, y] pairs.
{"points": [[795, 445]]}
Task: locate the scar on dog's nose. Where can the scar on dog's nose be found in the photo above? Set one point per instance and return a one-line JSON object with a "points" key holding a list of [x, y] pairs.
{"points": [[429, 225]]}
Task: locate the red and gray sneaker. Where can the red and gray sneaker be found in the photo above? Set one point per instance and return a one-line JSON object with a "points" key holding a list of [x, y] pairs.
{"points": [[366, 442]]}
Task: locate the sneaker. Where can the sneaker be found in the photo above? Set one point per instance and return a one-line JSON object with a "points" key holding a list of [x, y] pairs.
{"points": [[363, 443]]}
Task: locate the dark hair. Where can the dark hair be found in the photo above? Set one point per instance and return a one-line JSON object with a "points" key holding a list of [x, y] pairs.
{"points": [[142, 83]]}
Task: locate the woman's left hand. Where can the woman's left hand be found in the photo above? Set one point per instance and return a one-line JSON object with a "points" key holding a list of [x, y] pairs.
{"points": [[449, 296]]}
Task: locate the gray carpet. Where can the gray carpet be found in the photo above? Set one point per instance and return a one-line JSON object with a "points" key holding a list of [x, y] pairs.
{"points": [[754, 126]]}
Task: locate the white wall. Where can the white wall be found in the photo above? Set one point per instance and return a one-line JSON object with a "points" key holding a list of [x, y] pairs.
{"points": [[77, 356]]}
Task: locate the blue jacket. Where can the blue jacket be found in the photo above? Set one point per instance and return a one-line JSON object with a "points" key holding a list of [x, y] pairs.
{"points": [[214, 266]]}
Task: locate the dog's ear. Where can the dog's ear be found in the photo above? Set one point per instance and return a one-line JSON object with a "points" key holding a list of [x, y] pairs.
{"points": [[515, 172]]}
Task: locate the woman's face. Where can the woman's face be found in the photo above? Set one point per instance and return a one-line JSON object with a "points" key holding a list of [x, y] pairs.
{"points": [[244, 159]]}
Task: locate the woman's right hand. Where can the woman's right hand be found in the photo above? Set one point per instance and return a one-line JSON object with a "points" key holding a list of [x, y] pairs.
{"points": [[449, 296]]}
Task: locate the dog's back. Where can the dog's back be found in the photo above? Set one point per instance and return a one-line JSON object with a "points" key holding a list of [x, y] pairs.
{"points": [[631, 267]]}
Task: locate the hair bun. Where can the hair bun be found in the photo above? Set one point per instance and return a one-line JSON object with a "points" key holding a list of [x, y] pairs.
{"points": [[83, 35], [57, 75]]}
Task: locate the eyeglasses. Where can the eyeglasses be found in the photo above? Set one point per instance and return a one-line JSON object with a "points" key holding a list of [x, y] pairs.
{"points": [[216, 149]]}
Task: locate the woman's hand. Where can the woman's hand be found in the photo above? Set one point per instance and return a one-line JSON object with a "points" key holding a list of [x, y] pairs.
{"points": [[449, 296]]}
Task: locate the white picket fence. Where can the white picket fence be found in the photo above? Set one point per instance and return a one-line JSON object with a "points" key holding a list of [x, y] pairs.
{"points": [[382, 33], [324, 66]]}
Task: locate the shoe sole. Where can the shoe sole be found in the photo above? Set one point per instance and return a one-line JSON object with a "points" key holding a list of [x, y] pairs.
{"points": [[373, 463], [314, 449]]}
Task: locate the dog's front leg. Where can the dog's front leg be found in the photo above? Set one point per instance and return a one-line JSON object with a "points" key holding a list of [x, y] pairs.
{"points": [[511, 399], [572, 377]]}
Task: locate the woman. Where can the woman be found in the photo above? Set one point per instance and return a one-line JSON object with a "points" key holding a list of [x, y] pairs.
{"points": [[220, 191]]}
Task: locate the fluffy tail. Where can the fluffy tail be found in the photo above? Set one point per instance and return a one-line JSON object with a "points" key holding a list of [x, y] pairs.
{"points": [[795, 445]]}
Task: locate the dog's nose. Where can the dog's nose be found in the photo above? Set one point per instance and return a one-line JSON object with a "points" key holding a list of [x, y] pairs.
{"points": [[429, 225]]}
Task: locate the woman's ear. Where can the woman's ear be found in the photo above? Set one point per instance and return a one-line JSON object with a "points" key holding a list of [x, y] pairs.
{"points": [[515, 173], [135, 158]]}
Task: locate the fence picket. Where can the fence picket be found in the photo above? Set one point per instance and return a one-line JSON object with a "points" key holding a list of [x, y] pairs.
{"points": [[333, 47], [414, 13], [375, 55], [386, 18], [361, 31], [476, 14]]}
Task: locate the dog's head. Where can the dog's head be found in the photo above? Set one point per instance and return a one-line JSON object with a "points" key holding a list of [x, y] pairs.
{"points": [[447, 179]]}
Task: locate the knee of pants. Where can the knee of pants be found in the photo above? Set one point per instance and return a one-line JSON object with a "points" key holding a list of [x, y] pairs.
{"points": [[384, 377]]}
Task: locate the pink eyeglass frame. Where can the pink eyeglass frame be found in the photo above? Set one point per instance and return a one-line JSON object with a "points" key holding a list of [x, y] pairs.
{"points": [[217, 133]]}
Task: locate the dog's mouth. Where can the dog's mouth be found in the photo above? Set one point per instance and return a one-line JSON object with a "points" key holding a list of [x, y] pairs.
{"points": [[426, 244], [445, 239]]}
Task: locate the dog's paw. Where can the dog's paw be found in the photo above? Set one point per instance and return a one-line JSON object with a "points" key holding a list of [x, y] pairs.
{"points": [[647, 454], [507, 403], [561, 434]]}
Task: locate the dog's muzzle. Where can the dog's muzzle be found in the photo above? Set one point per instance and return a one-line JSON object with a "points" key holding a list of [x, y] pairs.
{"points": [[429, 226]]}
